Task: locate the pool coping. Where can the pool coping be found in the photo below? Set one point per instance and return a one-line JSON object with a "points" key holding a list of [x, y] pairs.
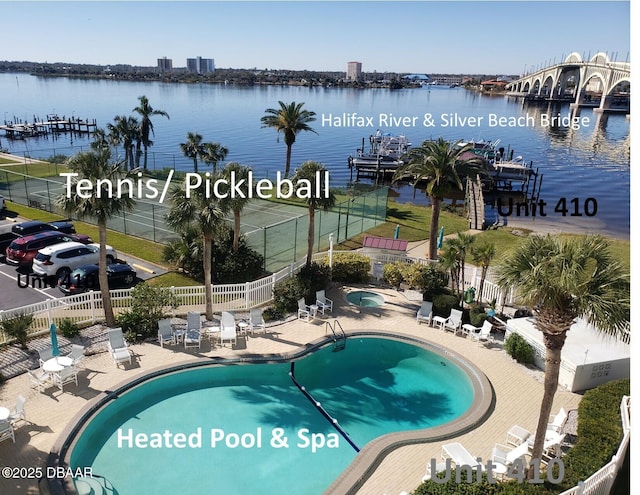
{"points": [[365, 462]]}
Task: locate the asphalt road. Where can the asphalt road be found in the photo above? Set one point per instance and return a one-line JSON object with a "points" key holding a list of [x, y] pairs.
{"points": [[14, 296]]}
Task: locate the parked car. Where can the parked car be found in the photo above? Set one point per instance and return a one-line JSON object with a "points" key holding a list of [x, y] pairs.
{"points": [[33, 227], [85, 278], [61, 259], [3, 205], [23, 249]]}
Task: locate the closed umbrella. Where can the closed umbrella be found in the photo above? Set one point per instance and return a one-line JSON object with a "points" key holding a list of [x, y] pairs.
{"points": [[54, 340], [440, 237]]}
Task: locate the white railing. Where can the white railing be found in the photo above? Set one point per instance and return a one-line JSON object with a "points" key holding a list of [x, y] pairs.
{"points": [[600, 482]]}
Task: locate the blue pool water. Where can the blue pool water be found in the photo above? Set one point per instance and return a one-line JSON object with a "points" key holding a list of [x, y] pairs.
{"points": [[365, 299], [275, 441]]}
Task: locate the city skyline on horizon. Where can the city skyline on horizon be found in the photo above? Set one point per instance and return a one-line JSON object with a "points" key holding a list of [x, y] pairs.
{"points": [[479, 40]]}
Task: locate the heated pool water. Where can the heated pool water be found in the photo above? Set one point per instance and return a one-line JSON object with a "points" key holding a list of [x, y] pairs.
{"points": [[365, 299], [248, 429]]}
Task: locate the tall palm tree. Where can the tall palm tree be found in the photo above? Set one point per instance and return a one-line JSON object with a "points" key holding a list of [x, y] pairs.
{"points": [[455, 256], [306, 180], [236, 203], [125, 130], [193, 148], [563, 279], [289, 119], [212, 153], [203, 213], [483, 255], [146, 111], [102, 205], [442, 165]]}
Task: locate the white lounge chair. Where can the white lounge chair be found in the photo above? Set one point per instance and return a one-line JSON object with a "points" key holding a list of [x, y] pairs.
{"points": [[39, 378], [193, 333], [228, 328], [68, 374], [502, 454], [256, 321], [482, 334], [18, 413], [118, 347], [459, 455], [453, 322], [165, 332], [76, 354], [425, 313], [6, 431], [323, 302], [517, 435], [304, 311], [558, 421]]}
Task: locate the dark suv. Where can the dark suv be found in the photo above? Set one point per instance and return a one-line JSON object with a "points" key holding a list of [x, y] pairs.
{"points": [[22, 250], [27, 228]]}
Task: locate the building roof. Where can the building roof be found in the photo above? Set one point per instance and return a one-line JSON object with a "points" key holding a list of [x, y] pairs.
{"points": [[385, 243]]}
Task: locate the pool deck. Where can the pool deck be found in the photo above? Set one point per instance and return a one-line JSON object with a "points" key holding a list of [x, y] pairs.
{"points": [[517, 390]]}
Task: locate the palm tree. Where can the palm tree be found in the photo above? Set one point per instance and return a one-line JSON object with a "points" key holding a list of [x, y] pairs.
{"points": [[289, 119], [236, 203], [442, 166], [126, 130], [483, 255], [204, 213], [212, 153], [563, 279], [146, 111], [455, 258], [102, 205], [306, 182], [193, 148]]}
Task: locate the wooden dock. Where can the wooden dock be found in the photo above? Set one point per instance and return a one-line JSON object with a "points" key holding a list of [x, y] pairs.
{"points": [[18, 129]]}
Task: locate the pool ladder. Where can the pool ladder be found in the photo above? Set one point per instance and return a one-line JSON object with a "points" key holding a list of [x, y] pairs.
{"points": [[339, 338]]}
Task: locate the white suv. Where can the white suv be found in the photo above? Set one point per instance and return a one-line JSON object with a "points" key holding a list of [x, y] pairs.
{"points": [[60, 259]]}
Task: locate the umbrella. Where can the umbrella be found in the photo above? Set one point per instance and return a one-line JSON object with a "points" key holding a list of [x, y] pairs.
{"points": [[440, 237], [54, 340]]}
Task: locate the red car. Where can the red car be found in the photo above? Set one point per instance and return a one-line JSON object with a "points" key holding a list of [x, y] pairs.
{"points": [[22, 250]]}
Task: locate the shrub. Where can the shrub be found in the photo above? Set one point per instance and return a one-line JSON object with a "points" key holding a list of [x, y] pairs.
{"points": [[443, 304], [428, 278], [350, 267], [518, 348], [477, 316], [18, 328], [68, 328], [147, 308], [286, 294], [272, 314], [392, 273]]}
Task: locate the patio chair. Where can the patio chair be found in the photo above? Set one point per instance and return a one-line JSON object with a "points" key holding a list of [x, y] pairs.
{"points": [[228, 328], [459, 455], [118, 347], [256, 321], [165, 332], [193, 333], [39, 378], [304, 311], [502, 454], [517, 435], [76, 354], [323, 302], [18, 413], [425, 313], [452, 322], [45, 355], [482, 334], [558, 421], [6, 431], [66, 375]]}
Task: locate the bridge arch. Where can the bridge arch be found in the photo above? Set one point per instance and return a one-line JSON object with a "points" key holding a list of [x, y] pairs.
{"points": [[600, 58], [573, 58]]}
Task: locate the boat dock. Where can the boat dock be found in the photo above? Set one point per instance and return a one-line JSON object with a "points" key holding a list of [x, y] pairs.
{"points": [[17, 129]]}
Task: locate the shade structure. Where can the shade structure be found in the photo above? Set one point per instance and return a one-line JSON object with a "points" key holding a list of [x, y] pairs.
{"points": [[54, 340]]}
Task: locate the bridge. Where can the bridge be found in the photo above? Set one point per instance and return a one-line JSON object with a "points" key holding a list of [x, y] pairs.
{"points": [[599, 83]]}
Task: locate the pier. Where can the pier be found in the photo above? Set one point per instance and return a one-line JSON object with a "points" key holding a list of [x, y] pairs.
{"points": [[17, 129]]}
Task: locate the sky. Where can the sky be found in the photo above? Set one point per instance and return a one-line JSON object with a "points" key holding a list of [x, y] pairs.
{"points": [[473, 37]]}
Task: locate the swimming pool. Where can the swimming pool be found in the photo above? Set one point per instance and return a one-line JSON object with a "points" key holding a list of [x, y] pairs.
{"points": [[248, 429], [365, 299]]}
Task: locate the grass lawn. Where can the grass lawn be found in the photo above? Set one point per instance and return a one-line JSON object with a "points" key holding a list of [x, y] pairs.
{"points": [[172, 279], [43, 170]]}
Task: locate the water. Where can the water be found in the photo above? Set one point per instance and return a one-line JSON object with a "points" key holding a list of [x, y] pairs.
{"points": [[385, 378], [365, 299], [589, 162]]}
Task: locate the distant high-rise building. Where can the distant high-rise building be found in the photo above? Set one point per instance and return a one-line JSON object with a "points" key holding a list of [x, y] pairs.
{"points": [[200, 65], [354, 71], [165, 64]]}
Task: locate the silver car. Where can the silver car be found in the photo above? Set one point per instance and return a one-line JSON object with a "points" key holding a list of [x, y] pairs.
{"points": [[60, 259]]}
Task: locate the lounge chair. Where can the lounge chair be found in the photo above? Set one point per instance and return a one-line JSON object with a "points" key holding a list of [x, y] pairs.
{"points": [[425, 313], [18, 413], [256, 321], [558, 421], [323, 302], [193, 333], [66, 375], [39, 378], [304, 311], [118, 347], [228, 328], [459, 455], [6, 431], [482, 334], [76, 354], [165, 332], [502, 454], [517, 435], [453, 322]]}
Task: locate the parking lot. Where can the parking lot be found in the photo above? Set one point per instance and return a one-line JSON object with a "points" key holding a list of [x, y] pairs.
{"points": [[18, 289]]}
